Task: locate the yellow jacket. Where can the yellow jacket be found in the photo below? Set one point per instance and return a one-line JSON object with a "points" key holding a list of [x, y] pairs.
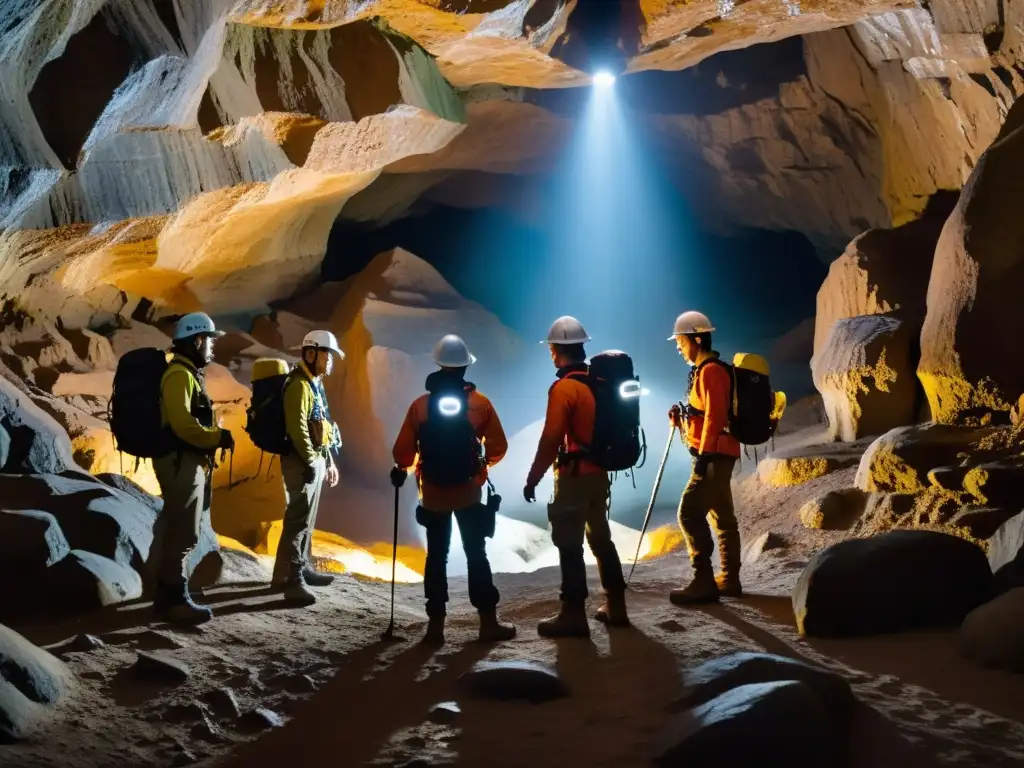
{"points": [[186, 408], [311, 433]]}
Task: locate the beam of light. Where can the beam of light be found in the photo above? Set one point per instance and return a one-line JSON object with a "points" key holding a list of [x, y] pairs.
{"points": [[604, 79]]}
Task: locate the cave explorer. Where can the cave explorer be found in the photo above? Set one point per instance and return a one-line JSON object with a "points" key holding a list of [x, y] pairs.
{"points": [[580, 503], [313, 436], [184, 473], [715, 452], [446, 427]]}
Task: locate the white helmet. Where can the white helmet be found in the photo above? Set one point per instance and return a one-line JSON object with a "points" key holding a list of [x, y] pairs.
{"points": [[567, 330], [690, 323], [195, 324], [321, 340], [452, 352]]}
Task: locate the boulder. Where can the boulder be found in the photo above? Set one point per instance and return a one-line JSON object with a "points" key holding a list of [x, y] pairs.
{"points": [[881, 271], [92, 348], [882, 512], [865, 374], [899, 461], [79, 583], [40, 340], [993, 634], [835, 510], [37, 442], [997, 483], [514, 680], [783, 719], [31, 681], [895, 581], [29, 541], [760, 544], [967, 367], [161, 668], [802, 463], [717, 676], [982, 522], [1006, 554]]}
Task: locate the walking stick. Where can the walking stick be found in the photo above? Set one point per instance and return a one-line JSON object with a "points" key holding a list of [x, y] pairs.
{"points": [[389, 633], [654, 495]]}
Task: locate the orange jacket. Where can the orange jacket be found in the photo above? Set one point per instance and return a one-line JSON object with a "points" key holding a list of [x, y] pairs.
{"points": [[488, 428], [710, 392], [569, 422]]}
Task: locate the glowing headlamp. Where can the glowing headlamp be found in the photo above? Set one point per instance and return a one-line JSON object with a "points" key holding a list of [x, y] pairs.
{"points": [[449, 406], [630, 389]]}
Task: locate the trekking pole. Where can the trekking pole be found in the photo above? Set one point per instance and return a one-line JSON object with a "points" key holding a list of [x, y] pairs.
{"points": [[389, 633], [654, 495]]}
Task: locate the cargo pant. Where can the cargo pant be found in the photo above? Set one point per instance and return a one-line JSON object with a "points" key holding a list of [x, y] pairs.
{"points": [[580, 508], [303, 501], [710, 497], [476, 524], [185, 485]]}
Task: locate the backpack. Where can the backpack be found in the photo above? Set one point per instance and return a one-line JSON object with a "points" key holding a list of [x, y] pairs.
{"points": [[265, 422], [754, 413], [135, 418], [618, 440], [450, 452]]}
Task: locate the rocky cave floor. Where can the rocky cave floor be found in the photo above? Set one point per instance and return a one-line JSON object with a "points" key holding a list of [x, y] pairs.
{"points": [[267, 683]]}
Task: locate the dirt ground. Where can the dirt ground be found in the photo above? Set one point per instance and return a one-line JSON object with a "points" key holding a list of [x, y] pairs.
{"points": [[344, 698]]}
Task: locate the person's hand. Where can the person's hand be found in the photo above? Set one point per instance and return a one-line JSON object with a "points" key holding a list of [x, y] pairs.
{"points": [[398, 476], [332, 475], [702, 466], [675, 414], [227, 442], [309, 474], [530, 493]]}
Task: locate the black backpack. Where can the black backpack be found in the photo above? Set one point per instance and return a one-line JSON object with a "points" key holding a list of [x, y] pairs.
{"points": [[135, 419], [752, 399], [265, 421], [450, 452], [618, 440]]}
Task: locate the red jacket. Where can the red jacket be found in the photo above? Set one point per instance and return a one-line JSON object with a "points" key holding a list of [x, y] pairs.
{"points": [[569, 422]]}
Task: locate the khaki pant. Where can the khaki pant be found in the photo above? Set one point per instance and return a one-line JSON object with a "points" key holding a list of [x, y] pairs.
{"points": [[302, 500], [184, 485], [580, 508], [710, 497]]}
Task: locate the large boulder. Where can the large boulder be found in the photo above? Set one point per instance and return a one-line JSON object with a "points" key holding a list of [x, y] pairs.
{"points": [[865, 373], [37, 442], [812, 456], [29, 541], [899, 461], [881, 271], [894, 581], [835, 510], [31, 682], [970, 364], [1006, 554], [993, 634]]}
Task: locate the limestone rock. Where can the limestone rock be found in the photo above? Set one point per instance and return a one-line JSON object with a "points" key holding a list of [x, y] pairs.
{"points": [[92, 348], [84, 582], [993, 633], [794, 466], [29, 541], [223, 703], [967, 368], [865, 373], [997, 483], [158, 667], [783, 719], [895, 581], [445, 713], [882, 271], [899, 460], [37, 442], [983, 522], [765, 542], [136, 336], [31, 682], [717, 676], [514, 680], [835, 510], [260, 719], [1006, 554], [882, 512]]}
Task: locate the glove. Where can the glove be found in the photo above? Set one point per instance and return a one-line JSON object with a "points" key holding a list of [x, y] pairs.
{"points": [[309, 474], [702, 465], [530, 493], [227, 442], [398, 476], [675, 414]]}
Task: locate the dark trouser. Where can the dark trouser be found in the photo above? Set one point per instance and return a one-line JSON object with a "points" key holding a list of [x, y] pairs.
{"points": [[580, 508], [710, 497], [302, 499], [184, 487], [476, 524]]}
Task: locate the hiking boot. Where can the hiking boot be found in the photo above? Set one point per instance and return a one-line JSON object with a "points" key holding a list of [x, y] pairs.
{"points": [[435, 631], [571, 621], [174, 605], [492, 630], [613, 611], [729, 585], [297, 593], [314, 578], [702, 589]]}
